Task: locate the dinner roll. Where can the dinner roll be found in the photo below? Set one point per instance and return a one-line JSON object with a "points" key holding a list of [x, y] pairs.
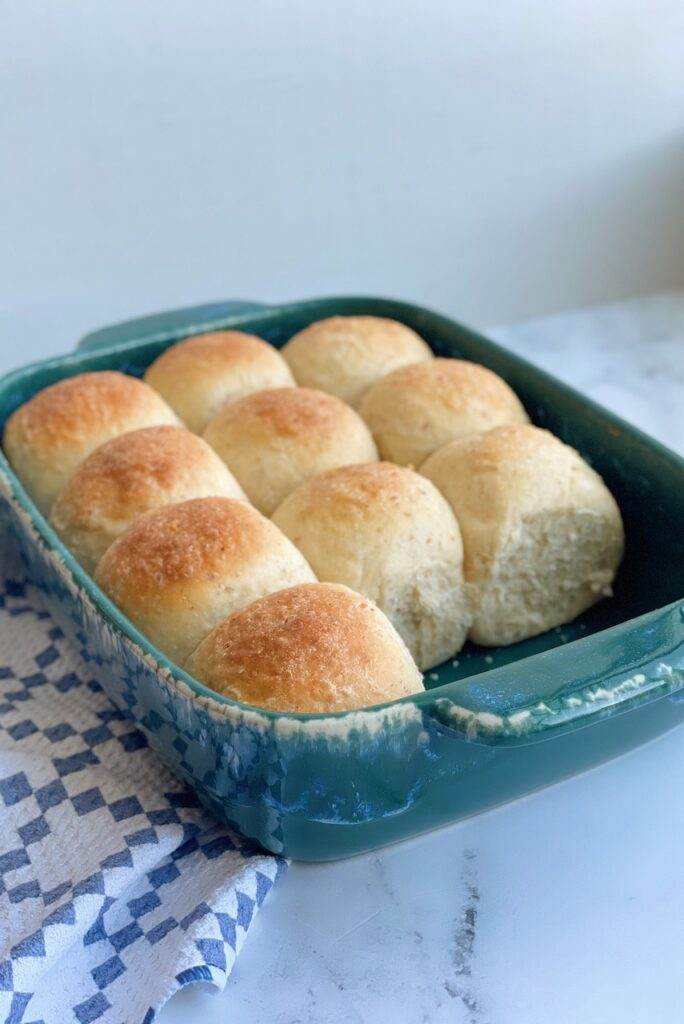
{"points": [[132, 474], [47, 437], [542, 533], [200, 375], [179, 570], [388, 533], [416, 409], [273, 441], [344, 355], [312, 648]]}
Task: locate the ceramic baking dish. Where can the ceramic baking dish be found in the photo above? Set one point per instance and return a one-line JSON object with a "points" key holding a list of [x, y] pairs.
{"points": [[493, 725]]}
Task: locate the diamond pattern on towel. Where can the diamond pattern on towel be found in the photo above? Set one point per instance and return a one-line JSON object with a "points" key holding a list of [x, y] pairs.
{"points": [[116, 886]]}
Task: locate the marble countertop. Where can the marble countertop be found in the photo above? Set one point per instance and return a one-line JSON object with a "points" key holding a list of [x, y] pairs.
{"points": [[566, 906]]}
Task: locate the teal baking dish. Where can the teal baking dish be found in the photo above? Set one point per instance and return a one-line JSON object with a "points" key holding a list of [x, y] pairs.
{"points": [[491, 726]]}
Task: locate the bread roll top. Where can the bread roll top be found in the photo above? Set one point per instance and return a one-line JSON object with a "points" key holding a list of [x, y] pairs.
{"points": [[274, 440], [308, 417], [388, 533], [130, 475], [495, 480], [180, 570], [543, 536], [311, 648], [200, 375], [368, 512], [171, 551], [344, 355], [416, 409], [48, 436]]}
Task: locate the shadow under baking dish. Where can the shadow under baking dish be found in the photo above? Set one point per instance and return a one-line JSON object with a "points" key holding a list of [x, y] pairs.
{"points": [[322, 786]]}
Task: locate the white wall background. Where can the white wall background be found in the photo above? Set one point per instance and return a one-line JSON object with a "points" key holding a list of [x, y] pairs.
{"points": [[494, 160]]}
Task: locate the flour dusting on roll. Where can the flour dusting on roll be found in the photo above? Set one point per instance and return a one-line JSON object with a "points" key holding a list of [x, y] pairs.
{"points": [[417, 409], [132, 474], [200, 375], [542, 534], [388, 533], [48, 436], [344, 355], [178, 571], [274, 440], [316, 648]]}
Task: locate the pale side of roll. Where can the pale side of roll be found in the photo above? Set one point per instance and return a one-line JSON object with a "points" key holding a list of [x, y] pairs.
{"points": [[179, 570], [132, 474], [274, 440], [417, 409], [46, 438], [542, 534], [388, 533], [200, 375], [344, 355], [312, 648]]}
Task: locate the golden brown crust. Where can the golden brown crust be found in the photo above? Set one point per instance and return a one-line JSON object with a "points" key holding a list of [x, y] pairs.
{"points": [[191, 541], [416, 409], [201, 375], [274, 440], [454, 384], [179, 571], [344, 355], [379, 333], [138, 471], [209, 353], [48, 436], [308, 415], [356, 489], [75, 409], [130, 475], [311, 648]]}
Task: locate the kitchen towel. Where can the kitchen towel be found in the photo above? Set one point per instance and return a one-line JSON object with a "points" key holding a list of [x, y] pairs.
{"points": [[116, 886]]}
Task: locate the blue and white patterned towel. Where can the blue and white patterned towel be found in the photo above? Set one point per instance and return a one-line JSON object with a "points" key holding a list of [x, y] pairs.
{"points": [[116, 887]]}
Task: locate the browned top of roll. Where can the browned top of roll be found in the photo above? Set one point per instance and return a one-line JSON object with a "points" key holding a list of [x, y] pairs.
{"points": [[130, 475], [353, 491], [48, 436], [303, 413], [78, 407], [273, 440], [311, 648], [200, 375], [344, 355], [139, 470], [181, 544], [212, 350], [416, 409]]}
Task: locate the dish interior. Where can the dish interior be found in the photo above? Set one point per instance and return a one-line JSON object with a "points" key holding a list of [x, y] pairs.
{"points": [[646, 479]]}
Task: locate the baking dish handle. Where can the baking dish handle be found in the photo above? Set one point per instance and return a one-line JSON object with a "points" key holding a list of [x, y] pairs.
{"points": [[573, 686], [175, 322], [576, 710]]}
